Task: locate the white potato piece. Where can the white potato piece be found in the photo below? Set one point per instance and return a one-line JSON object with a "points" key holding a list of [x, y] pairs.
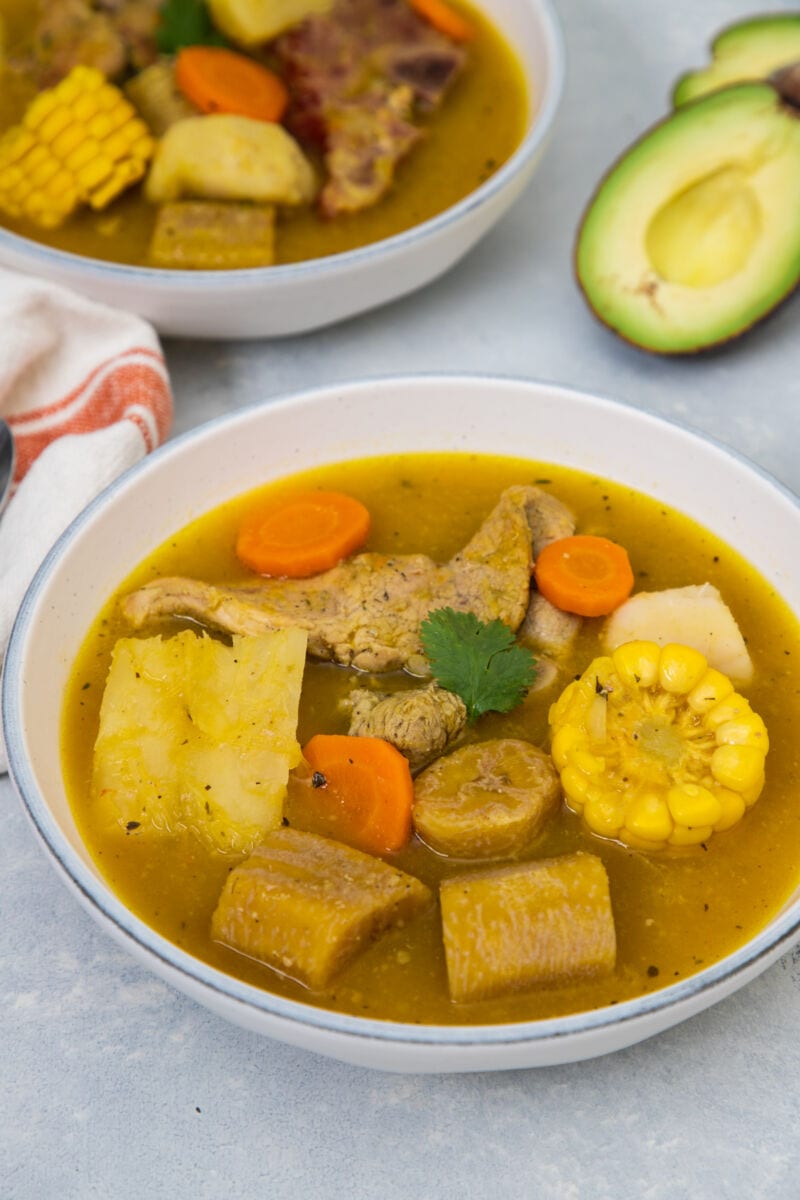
{"points": [[695, 616], [251, 22], [228, 157]]}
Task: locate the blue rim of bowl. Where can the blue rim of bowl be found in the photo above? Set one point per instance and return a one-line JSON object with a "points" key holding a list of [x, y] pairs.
{"points": [[535, 138], [175, 964]]}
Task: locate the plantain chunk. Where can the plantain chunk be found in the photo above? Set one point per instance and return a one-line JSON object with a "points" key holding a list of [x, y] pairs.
{"points": [[306, 905], [487, 800], [542, 922], [213, 235]]}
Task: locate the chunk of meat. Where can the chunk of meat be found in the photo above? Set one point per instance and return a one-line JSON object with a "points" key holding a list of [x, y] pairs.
{"points": [[110, 35], [205, 235], [487, 800], [228, 157], [367, 611], [420, 722], [366, 138], [137, 23], [545, 625], [548, 627], [547, 921], [306, 906], [356, 75]]}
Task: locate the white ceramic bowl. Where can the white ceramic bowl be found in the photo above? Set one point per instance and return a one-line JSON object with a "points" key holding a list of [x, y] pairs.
{"points": [[203, 468], [273, 301]]}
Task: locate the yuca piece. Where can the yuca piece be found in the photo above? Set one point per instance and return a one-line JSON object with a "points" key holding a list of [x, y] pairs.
{"points": [[488, 800], [548, 921], [307, 906]]}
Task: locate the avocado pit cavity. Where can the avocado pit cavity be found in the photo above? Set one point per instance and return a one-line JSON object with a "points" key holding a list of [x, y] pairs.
{"points": [[706, 233]]}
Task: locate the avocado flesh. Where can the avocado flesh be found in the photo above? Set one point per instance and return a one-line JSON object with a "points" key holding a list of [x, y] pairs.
{"points": [[694, 235], [748, 51]]}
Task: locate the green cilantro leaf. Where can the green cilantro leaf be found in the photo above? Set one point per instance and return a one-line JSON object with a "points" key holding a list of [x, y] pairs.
{"points": [[186, 23], [480, 662]]}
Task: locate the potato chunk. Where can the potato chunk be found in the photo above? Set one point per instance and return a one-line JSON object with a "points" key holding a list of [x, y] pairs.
{"points": [[306, 906], [206, 235], [547, 921], [227, 157], [252, 22], [195, 734]]}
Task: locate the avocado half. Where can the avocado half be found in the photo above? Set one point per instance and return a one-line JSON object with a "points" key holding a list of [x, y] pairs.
{"points": [[694, 235], [748, 51]]}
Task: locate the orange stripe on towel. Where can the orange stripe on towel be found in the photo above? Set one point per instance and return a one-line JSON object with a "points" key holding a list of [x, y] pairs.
{"points": [[132, 386]]}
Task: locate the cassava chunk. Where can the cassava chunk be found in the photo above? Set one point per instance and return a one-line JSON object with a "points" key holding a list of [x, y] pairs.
{"points": [[203, 235], [306, 905], [224, 156], [695, 615], [486, 800], [195, 734], [542, 922]]}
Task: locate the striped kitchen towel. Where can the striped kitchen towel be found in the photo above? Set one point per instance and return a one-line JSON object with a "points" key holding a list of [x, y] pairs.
{"points": [[86, 393]]}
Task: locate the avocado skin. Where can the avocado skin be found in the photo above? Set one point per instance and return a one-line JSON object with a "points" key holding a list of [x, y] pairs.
{"points": [[776, 35], [786, 87]]}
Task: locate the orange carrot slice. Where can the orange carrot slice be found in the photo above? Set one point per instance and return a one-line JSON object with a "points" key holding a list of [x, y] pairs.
{"points": [[587, 575], [362, 791], [216, 80], [443, 17], [309, 533]]}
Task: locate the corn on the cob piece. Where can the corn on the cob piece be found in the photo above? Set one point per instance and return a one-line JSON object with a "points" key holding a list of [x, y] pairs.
{"points": [[78, 143], [655, 748]]}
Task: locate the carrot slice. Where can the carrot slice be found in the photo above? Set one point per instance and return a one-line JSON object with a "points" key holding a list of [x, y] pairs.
{"points": [[361, 792], [302, 536], [441, 16], [221, 81], [587, 575]]}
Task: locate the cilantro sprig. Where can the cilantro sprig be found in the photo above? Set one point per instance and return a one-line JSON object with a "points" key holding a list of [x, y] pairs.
{"points": [[186, 23], [481, 662]]}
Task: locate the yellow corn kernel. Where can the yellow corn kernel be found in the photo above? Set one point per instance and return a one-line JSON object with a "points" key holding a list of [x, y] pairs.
{"points": [[750, 794], [649, 819], [730, 709], [83, 153], [586, 762], [733, 806], [54, 124], [94, 173], [680, 668], [747, 730], [691, 804], [566, 738], [713, 687], [681, 836], [80, 142], [558, 709], [637, 663], [576, 786], [737, 767], [604, 814]]}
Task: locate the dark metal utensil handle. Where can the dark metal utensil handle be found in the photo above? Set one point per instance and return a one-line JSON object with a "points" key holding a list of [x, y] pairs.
{"points": [[7, 460]]}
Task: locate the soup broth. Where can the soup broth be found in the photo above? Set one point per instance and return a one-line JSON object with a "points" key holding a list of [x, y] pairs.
{"points": [[675, 911]]}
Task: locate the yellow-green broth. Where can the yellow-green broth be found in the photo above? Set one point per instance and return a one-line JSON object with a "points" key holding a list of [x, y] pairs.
{"points": [[479, 125], [675, 912]]}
